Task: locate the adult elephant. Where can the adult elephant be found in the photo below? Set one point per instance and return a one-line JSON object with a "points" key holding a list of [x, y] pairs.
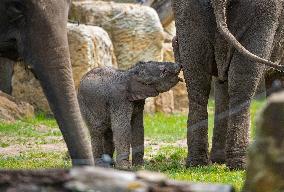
{"points": [[35, 31], [214, 39]]}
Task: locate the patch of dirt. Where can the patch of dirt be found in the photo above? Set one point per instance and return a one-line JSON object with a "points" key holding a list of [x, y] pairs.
{"points": [[155, 146], [14, 150], [56, 144]]}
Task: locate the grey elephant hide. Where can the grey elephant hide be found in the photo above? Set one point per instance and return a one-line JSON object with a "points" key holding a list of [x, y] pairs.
{"points": [[112, 104], [206, 49]]}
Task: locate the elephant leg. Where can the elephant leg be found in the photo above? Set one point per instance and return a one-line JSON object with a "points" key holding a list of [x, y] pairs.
{"points": [[196, 54], [108, 143], [6, 73], [97, 146], [245, 75], [220, 123], [137, 135], [121, 128], [108, 146]]}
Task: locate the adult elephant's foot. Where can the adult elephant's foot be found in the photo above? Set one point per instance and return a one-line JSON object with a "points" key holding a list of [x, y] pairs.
{"points": [[218, 156], [137, 162], [195, 162], [237, 163]]}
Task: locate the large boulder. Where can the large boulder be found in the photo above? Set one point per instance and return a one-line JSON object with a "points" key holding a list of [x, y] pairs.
{"points": [[135, 30], [163, 8], [90, 47], [12, 109], [165, 102]]}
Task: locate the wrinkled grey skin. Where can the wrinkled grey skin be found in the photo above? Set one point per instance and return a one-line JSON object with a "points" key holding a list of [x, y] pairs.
{"points": [[112, 104], [35, 31], [204, 52]]}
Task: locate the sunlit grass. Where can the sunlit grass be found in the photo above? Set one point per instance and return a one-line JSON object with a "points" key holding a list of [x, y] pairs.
{"points": [[164, 130]]}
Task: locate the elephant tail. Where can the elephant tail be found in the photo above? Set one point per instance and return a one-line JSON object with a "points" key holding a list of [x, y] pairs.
{"points": [[220, 7]]}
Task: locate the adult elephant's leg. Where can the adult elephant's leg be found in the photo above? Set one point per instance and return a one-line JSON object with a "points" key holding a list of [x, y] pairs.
{"points": [[221, 122], [245, 75], [196, 54], [6, 72]]}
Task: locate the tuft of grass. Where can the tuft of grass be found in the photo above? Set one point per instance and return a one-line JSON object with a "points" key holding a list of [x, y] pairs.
{"points": [[170, 128], [35, 160], [170, 161], [167, 128]]}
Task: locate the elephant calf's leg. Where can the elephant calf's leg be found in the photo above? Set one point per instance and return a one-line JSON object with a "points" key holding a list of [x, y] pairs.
{"points": [[121, 128], [122, 146], [137, 137], [108, 147], [6, 72], [97, 147], [220, 123], [108, 143]]}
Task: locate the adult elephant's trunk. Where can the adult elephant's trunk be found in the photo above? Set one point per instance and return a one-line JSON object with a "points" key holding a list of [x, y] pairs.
{"points": [[55, 76], [45, 48], [220, 7]]}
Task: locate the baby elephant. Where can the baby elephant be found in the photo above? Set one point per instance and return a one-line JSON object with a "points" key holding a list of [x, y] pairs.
{"points": [[112, 103]]}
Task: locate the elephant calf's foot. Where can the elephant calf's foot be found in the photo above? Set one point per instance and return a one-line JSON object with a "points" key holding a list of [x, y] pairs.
{"points": [[105, 162], [236, 163], [123, 164]]}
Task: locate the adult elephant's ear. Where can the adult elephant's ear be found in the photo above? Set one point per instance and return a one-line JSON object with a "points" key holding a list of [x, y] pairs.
{"points": [[220, 11], [137, 90]]}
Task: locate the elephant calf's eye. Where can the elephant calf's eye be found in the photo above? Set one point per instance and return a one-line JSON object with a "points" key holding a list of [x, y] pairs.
{"points": [[163, 72]]}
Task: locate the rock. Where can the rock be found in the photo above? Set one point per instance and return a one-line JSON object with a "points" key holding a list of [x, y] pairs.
{"points": [[165, 102], [168, 52], [180, 96], [135, 30], [170, 32], [27, 88], [150, 105], [90, 47], [163, 8], [265, 172], [12, 109]]}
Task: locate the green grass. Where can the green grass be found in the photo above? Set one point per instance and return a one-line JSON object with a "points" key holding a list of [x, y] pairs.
{"points": [[35, 160], [163, 154], [169, 128], [170, 160]]}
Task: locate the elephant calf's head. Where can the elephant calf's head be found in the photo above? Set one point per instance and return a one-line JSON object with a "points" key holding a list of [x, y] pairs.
{"points": [[148, 79]]}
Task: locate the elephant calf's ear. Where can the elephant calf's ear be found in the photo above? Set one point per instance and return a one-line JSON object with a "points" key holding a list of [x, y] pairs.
{"points": [[139, 91]]}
